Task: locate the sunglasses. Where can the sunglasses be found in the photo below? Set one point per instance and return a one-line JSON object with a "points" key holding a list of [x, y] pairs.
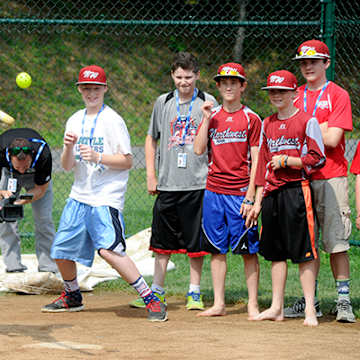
{"points": [[17, 149]]}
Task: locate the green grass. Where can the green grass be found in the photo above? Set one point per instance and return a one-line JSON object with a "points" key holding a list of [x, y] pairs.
{"points": [[177, 281]]}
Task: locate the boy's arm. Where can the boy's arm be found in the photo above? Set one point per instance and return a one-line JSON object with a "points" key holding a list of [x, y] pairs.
{"points": [[202, 137], [252, 216], [250, 194], [331, 136], [67, 156], [150, 153], [279, 161], [113, 161]]}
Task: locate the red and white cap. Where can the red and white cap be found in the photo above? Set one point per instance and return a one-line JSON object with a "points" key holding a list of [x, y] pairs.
{"points": [[92, 74], [281, 79], [233, 70], [312, 49]]}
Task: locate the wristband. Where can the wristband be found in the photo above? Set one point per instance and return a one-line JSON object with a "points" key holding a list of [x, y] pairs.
{"points": [[99, 160], [248, 202], [282, 161]]}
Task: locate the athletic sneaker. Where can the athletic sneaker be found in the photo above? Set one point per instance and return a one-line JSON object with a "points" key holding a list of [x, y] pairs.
{"points": [[156, 311], [344, 312], [139, 302], [194, 301], [68, 301], [298, 309]]}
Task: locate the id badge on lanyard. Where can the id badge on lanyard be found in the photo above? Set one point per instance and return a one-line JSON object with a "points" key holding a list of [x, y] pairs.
{"points": [[181, 160], [182, 155], [12, 185]]}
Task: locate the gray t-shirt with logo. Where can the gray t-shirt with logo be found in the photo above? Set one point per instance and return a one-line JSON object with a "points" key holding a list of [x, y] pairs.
{"points": [[179, 168]]}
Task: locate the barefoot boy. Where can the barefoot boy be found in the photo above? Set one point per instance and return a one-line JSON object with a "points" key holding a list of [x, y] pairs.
{"points": [[291, 148], [331, 106], [232, 132]]}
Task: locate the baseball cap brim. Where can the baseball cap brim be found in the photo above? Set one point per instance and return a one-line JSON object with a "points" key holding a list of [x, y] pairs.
{"points": [[90, 82], [299, 57], [218, 77], [277, 87]]}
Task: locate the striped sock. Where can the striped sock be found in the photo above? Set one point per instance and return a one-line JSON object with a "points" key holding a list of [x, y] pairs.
{"points": [[143, 289], [194, 288], [343, 289]]}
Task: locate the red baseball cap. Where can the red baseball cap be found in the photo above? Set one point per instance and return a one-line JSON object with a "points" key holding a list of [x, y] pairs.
{"points": [[233, 70], [281, 79], [92, 74], [312, 49]]}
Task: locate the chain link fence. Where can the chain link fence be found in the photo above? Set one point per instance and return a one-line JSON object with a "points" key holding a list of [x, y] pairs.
{"points": [[135, 42]]}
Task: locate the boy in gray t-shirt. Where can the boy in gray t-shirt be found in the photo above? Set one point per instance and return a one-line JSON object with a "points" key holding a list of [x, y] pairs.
{"points": [[181, 178]]}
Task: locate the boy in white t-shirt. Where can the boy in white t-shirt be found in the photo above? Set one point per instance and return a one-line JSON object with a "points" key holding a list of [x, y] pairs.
{"points": [[97, 147]]}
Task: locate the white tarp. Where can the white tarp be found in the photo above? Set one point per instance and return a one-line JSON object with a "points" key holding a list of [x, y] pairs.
{"points": [[34, 282]]}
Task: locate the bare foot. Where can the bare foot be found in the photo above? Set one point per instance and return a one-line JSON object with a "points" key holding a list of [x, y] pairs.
{"points": [[270, 314], [310, 318], [213, 311], [253, 311]]}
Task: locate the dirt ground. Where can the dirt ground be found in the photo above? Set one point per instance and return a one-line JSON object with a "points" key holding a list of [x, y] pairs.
{"points": [[109, 329]]}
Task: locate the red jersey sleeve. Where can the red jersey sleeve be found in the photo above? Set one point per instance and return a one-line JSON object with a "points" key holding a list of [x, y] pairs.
{"points": [[340, 116], [255, 130], [355, 165]]}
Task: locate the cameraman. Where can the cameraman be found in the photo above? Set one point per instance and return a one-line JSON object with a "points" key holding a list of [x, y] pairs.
{"points": [[25, 162]]}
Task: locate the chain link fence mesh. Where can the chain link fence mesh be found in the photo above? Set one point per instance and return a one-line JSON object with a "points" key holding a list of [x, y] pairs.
{"points": [[135, 42]]}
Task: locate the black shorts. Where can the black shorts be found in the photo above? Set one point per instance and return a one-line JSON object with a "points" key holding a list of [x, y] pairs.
{"points": [[288, 223], [177, 222]]}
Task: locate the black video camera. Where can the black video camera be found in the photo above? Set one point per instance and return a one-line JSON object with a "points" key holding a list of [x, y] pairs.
{"points": [[11, 212]]}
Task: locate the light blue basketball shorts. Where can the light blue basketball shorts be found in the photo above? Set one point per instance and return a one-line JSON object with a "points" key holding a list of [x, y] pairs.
{"points": [[84, 228]]}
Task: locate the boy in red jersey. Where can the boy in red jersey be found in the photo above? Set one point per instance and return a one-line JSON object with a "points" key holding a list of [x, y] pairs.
{"points": [[291, 148], [330, 104], [231, 132], [355, 169]]}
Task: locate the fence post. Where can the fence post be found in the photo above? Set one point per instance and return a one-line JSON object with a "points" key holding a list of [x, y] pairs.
{"points": [[328, 32]]}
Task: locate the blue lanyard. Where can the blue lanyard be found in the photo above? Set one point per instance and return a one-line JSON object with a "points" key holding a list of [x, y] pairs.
{"points": [[187, 123], [317, 100], [93, 126], [40, 150]]}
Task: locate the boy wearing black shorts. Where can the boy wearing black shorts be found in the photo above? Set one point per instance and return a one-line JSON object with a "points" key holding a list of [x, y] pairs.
{"points": [[291, 148], [180, 180]]}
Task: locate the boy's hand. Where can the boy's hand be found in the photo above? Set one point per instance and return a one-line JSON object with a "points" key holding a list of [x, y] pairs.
{"points": [[152, 186], [252, 216], [88, 154], [206, 109], [276, 162], [245, 209], [70, 139]]}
